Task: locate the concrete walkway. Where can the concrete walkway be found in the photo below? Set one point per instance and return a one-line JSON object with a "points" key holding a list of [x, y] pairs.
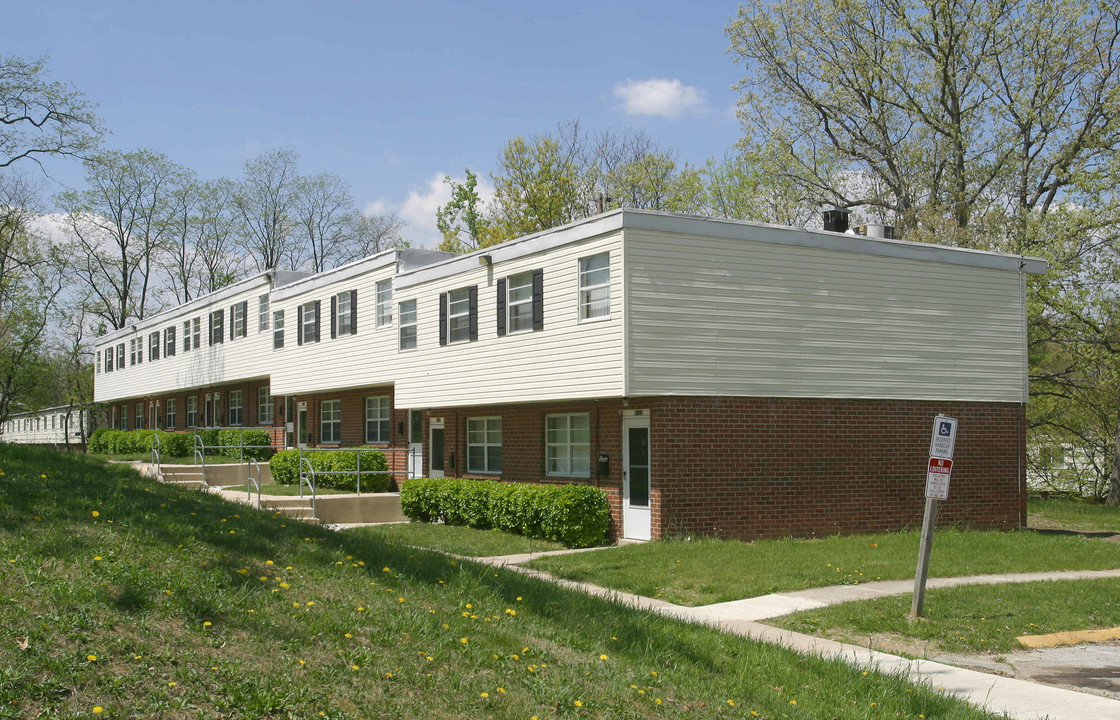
{"points": [[1020, 699]]}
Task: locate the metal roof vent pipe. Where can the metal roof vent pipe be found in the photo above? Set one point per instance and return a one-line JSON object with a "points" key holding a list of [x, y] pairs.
{"points": [[877, 230], [836, 219]]}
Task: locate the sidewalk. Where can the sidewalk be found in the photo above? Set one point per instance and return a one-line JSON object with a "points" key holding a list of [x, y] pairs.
{"points": [[1020, 699]]}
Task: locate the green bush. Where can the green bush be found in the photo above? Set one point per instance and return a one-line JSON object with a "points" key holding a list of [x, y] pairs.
{"points": [[347, 461], [232, 440], [211, 439], [575, 515], [285, 467], [99, 441], [176, 444]]}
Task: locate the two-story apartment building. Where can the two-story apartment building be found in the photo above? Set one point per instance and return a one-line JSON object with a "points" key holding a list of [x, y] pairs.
{"points": [[713, 376]]}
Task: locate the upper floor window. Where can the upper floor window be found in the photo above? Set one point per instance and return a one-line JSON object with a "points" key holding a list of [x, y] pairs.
{"points": [[344, 315], [135, 351], [120, 356], [262, 313], [238, 320], [153, 346], [234, 407], [458, 315], [307, 323], [521, 302], [277, 329], [377, 419], [217, 323], [384, 303], [568, 444], [407, 325], [192, 334], [97, 363], [595, 287], [169, 341], [330, 421]]}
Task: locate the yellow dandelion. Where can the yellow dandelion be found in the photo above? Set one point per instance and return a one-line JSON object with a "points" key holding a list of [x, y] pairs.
{"points": [[268, 562], [310, 603], [653, 673], [206, 624], [484, 695], [172, 684], [97, 710], [602, 657], [578, 703], [302, 662], [96, 557], [792, 702], [658, 701], [463, 640], [730, 702], [354, 667], [91, 658], [96, 514], [502, 690]]}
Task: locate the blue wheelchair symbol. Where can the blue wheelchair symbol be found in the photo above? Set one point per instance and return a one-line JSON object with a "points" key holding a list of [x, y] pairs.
{"points": [[945, 429]]}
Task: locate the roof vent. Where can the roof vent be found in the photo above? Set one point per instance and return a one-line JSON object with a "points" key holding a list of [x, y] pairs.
{"points": [[836, 219], [877, 231]]}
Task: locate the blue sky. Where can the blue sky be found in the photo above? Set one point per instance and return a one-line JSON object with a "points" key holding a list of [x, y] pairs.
{"points": [[390, 96]]}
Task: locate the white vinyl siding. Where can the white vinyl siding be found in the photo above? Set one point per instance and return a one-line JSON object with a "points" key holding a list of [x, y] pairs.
{"points": [[711, 316], [384, 303], [235, 415], [595, 287], [568, 445], [330, 421], [377, 419], [484, 445]]}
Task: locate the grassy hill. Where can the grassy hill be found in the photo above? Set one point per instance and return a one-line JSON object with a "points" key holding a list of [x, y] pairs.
{"points": [[124, 598]]}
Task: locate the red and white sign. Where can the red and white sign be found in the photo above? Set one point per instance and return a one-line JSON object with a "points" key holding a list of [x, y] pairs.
{"points": [[937, 478]]}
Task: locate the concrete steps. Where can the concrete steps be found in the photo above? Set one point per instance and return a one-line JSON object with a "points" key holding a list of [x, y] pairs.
{"points": [[296, 508]]}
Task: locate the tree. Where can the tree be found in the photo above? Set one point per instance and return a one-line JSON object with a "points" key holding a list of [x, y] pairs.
{"points": [[40, 118], [983, 123], [371, 234], [462, 221], [120, 227], [322, 210], [265, 202], [536, 187]]}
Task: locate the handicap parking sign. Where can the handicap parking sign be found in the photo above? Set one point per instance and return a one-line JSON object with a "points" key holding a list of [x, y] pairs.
{"points": [[944, 437]]}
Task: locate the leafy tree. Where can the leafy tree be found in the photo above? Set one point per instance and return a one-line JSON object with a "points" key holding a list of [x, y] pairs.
{"points": [[462, 221], [39, 117], [371, 234], [536, 187], [323, 207], [266, 200]]}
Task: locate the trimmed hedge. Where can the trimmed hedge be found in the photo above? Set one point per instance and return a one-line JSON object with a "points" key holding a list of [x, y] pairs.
{"points": [[105, 441], [285, 469], [575, 515]]}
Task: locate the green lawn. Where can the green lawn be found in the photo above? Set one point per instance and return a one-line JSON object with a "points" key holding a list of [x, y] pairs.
{"points": [[457, 540], [1072, 515], [971, 618], [701, 572], [141, 600]]}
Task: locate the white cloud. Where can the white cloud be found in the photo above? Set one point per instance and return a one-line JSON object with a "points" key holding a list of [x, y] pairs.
{"points": [[419, 208], [660, 96]]}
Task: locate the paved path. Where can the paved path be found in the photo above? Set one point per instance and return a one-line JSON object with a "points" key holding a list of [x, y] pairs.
{"points": [[1020, 699]]}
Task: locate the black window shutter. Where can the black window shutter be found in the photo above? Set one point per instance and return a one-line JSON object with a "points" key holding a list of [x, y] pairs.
{"points": [[244, 318], [353, 312], [472, 294], [334, 316], [210, 329], [501, 307], [318, 318], [443, 319], [299, 325], [232, 315], [538, 299]]}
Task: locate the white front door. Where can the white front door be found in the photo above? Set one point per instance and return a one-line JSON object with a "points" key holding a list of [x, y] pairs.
{"points": [[415, 443], [636, 514], [301, 426], [435, 437]]}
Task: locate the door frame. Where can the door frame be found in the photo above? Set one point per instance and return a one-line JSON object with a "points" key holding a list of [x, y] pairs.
{"points": [[637, 520], [415, 444], [301, 424], [433, 425]]}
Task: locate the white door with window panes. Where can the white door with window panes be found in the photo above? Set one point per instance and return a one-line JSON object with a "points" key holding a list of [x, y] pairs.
{"points": [[415, 443], [636, 512], [435, 438]]}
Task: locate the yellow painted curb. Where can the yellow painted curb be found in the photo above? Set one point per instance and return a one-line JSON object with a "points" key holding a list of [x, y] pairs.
{"points": [[1073, 637]]}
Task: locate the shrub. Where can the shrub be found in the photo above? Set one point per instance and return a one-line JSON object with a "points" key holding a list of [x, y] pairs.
{"points": [[284, 466], [575, 515], [347, 461], [211, 439], [176, 444], [99, 441], [247, 442]]}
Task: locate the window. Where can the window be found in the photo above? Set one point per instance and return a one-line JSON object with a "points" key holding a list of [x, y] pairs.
{"points": [[484, 445], [192, 334], [187, 336], [169, 341], [568, 445], [277, 329], [458, 315], [217, 323], [307, 323], [234, 407], [344, 320], [139, 416], [109, 360], [384, 303], [192, 411], [595, 287], [97, 364], [153, 346], [330, 421], [132, 352], [521, 302], [170, 422], [377, 419], [407, 325], [262, 313], [120, 356], [237, 320], [264, 405]]}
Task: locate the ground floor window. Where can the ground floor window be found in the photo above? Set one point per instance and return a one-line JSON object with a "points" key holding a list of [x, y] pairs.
{"points": [[192, 411], [377, 419], [139, 415], [264, 405], [568, 445], [330, 421], [484, 445], [170, 414], [234, 407]]}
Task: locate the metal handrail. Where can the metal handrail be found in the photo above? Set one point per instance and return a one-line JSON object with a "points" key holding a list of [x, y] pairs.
{"points": [[200, 457], [254, 482], [309, 477], [358, 466], [241, 446], [156, 453]]}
